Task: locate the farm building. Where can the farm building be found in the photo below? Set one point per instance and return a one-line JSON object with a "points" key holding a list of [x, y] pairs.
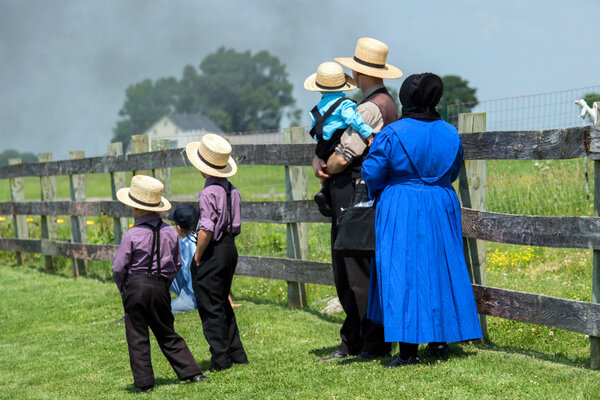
{"points": [[181, 129]]}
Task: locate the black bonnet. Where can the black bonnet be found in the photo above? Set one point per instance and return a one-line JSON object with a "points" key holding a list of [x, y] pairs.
{"points": [[419, 95]]}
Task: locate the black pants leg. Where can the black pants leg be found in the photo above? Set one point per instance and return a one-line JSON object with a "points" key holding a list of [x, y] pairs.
{"points": [[351, 276], [147, 303], [212, 282]]}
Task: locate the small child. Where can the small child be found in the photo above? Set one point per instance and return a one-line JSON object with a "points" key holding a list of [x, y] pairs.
{"points": [[144, 265], [185, 217], [216, 254], [331, 116]]}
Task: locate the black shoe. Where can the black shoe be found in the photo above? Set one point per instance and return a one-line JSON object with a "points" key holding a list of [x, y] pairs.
{"points": [[399, 362], [214, 368], [147, 389], [365, 355], [198, 378], [438, 349], [323, 203], [337, 355]]}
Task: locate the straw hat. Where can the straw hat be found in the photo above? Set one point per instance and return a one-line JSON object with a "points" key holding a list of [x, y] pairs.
{"points": [[212, 155], [369, 59], [145, 193], [330, 77]]}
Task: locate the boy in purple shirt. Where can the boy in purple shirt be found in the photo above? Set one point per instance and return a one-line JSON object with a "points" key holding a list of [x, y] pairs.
{"points": [[216, 254], [144, 265]]}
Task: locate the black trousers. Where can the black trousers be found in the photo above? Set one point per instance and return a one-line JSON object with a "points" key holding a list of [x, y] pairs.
{"points": [[211, 281], [351, 276], [147, 303]]}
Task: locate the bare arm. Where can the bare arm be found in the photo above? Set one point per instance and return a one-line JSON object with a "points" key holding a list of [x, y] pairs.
{"points": [[336, 164], [203, 241]]}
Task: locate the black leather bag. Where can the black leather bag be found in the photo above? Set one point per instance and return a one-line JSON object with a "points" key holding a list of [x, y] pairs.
{"points": [[356, 232]]}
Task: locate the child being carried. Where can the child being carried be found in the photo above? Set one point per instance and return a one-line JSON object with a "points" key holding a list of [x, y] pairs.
{"points": [[331, 116]]}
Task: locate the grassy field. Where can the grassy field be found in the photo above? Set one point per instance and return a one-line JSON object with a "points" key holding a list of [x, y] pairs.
{"points": [[59, 340]]}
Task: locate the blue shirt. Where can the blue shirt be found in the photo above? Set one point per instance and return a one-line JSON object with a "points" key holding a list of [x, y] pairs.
{"points": [[182, 284], [345, 115]]}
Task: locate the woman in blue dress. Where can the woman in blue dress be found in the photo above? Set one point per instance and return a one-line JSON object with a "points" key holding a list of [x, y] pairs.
{"points": [[420, 287]]}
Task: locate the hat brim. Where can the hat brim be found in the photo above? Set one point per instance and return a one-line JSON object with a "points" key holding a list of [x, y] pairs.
{"points": [[311, 84], [387, 72], [191, 151], [123, 197]]}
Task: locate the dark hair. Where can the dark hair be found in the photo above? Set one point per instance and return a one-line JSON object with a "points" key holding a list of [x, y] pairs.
{"points": [[185, 215]]}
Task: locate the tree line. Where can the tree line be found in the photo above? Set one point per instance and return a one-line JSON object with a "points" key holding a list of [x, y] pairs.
{"points": [[240, 92], [26, 157]]}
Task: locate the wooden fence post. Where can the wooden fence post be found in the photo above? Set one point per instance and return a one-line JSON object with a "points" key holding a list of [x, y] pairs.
{"points": [[163, 174], [77, 188], [117, 181], [49, 228], [296, 188], [17, 193], [139, 144], [595, 341], [472, 192]]}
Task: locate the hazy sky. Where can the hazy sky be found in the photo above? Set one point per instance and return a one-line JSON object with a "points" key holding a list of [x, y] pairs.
{"points": [[64, 65]]}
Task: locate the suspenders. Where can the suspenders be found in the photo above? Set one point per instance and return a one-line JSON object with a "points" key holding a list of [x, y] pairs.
{"points": [[317, 131], [227, 186], [155, 248]]}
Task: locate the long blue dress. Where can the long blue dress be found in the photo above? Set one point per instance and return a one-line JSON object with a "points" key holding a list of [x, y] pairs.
{"points": [[420, 288], [182, 284]]}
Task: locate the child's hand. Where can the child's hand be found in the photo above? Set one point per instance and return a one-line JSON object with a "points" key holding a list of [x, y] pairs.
{"points": [[370, 139]]}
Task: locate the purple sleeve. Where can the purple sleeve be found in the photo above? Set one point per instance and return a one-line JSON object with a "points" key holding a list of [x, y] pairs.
{"points": [[177, 256], [208, 213], [121, 261]]}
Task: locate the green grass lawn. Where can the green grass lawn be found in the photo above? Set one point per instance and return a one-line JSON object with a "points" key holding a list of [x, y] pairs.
{"points": [[59, 342]]}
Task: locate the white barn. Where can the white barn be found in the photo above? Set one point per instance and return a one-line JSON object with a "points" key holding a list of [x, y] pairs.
{"points": [[181, 129]]}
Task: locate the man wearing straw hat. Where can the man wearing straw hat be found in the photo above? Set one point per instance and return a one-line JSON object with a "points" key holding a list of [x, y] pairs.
{"points": [[360, 336], [144, 266]]}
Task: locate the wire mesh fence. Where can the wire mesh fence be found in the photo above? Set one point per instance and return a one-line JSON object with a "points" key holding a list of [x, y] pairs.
{"points": [[549, 110], [560, 187]]}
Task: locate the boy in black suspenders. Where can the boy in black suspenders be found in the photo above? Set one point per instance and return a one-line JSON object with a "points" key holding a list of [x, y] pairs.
{"points": [[144, 265], [216, 254], [331, 116]]}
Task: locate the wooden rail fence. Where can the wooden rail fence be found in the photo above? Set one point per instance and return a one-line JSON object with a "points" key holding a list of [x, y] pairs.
{"points": [[478, 225]]}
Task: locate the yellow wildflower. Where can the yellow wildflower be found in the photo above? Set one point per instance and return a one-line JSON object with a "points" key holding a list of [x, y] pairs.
{"points": [[2, 219], [29, 219], [60, 220], [89, 222]]}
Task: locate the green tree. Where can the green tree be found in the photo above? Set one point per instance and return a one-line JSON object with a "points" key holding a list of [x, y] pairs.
{"points": [[12, 153], [241, 91], [237, 91], [145, 103], [458, 97], [591, 98]]}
